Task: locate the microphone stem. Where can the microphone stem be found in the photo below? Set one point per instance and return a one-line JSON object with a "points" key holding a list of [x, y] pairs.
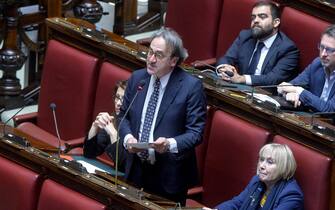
{"points": [[57, 132], [118, 138]]}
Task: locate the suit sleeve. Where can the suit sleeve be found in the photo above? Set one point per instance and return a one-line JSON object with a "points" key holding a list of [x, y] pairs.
{"points": [[290, 198], [97, 145], [308, 98], [237, 201], [286, 63], [195, 118]]}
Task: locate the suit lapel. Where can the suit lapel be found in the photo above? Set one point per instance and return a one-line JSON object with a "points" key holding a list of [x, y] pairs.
{"points": [[139, 102], [250, 46], [272, 51], [170, 93]]}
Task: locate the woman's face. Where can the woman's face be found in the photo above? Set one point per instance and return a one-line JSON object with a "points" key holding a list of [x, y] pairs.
{"points": [[267, 169], [118, 99]]}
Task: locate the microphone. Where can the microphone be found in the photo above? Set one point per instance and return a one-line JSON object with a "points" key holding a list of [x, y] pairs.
{"points": [[11, 136], [228, 73], [53, 108], [139, 88]]}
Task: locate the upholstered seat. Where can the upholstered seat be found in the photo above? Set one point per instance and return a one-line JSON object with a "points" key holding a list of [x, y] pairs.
{"points": [[231, 157], [310, 29], [68, 80], [55, 196], [19, 186], [109, 75], [313, 174]]}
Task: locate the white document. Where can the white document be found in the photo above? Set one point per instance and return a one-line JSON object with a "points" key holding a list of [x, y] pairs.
{"points": [[140, 145], [89, 167], [263, 97]]}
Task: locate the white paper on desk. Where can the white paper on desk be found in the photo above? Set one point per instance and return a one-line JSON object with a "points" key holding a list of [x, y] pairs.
{"points": [[263, 97], [140, 145], [89, 167]]}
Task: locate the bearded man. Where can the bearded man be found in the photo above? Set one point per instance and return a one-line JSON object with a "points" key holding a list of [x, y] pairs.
{"points": [[261, 55]]}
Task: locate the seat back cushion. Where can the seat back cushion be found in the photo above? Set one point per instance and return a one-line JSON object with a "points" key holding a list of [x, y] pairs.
{"points": [[310, 28], [234, 18], [197, 25], [313, 174], [69, 80], [55, 196], [109, 75], [19, 186], [231, 158]]}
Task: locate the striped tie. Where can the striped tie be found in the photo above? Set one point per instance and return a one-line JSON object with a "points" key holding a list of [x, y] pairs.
{"points": [[149, 117]]}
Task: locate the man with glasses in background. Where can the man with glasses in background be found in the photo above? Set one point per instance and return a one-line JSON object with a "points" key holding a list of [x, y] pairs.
{"points": [[318, 77]]}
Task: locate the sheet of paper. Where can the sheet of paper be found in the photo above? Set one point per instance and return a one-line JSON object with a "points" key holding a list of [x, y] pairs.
{"points": [[264, 98], [89, 167], [140, 145]]}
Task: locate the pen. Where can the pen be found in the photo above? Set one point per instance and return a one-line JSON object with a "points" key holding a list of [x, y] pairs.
{"points": [[237, 95]]}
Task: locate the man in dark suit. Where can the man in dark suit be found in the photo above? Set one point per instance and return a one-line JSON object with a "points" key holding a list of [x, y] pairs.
{"points": [[174, 101], [261, 55], [319, 77]]}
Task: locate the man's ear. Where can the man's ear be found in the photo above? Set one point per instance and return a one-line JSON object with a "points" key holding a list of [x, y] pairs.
{"points": [[173, 61], [276, 23]]}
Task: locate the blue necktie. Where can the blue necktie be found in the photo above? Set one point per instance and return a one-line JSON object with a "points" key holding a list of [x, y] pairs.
{"points": [[255, 58], [149, 117]]}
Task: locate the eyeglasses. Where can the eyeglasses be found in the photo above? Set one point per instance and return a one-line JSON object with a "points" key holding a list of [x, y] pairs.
{"points": [[158, 55], [118, 98], [328, 50]]}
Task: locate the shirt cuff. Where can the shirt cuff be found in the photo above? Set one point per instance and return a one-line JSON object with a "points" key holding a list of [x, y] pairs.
{"points": [[247, 79], [125, 140], [217, 69], [299, 90], [173, 145]]}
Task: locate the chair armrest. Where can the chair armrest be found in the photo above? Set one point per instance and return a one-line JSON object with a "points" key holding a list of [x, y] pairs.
{"points": [[201, 64], [29, 117], [144, 41], [73, 143], [195, 191]]}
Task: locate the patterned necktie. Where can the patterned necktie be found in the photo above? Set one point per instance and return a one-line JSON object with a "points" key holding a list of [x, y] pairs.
{"points": [[255, 58], [149, 117]]}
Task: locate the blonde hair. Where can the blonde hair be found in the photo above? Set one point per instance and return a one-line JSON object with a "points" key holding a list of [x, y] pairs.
{"points": [[283, 157]]}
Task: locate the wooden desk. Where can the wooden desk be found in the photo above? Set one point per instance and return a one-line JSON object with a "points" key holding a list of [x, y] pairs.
{"points": [[101, 188]]}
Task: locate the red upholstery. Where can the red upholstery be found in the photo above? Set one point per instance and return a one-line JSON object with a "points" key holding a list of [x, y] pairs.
{"points": [[196, 21], [231, 158], [55, 197], [70, 83], [310, 28], [313, 174], [234, 18], [201, 149], [109, 75], [19, 186]]}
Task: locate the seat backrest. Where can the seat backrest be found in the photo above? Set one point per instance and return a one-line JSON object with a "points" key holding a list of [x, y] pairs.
{"points": [[313, 174], [235, 17], [231, 158], [310, 28], [201, 149], [19, 186], [69, 80], [109, 75], [196, 21], [55, 196]]}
